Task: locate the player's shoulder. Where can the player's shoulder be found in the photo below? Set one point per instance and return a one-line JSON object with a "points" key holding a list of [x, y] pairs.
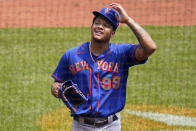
{"points": [[76, 48], [115, 46]]}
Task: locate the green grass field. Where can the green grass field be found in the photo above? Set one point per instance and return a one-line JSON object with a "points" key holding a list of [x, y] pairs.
{"points": [[29, 55]]}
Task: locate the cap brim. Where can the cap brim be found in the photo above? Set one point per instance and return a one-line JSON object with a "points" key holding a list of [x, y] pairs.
{"points": [[96, 13]]}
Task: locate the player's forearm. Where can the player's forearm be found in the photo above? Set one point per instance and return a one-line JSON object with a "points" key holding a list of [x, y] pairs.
{"points": [[143, 37]]}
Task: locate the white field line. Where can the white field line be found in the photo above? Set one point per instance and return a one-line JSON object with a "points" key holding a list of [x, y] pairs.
{"points": [[169, 119]]}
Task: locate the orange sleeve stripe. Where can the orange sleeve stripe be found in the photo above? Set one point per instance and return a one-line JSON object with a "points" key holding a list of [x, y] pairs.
{"points": [[57, 78], [78, 53]]}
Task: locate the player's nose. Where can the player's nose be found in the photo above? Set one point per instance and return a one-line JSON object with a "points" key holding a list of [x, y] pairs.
{"points": [[100, 26]]}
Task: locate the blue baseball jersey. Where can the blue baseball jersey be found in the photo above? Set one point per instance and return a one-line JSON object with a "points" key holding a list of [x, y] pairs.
{"points": [[102, 81]]}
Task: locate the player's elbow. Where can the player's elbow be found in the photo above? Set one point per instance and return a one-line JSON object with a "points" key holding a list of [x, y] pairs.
{"points": [[152, 48]]}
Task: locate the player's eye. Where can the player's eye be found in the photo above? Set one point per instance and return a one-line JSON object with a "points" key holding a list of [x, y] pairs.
{"points": [[107, 25], [97, 23]]}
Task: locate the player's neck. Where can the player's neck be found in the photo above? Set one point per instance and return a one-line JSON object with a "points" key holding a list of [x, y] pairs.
{"points": [[97, 48]]}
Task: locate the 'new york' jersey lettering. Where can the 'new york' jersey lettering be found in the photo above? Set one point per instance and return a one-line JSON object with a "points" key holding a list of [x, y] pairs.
{"points": [[105, 66], [103, 81]]}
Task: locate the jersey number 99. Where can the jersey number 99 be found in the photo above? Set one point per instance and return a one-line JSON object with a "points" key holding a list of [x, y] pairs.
{"points": [[108, 82]]}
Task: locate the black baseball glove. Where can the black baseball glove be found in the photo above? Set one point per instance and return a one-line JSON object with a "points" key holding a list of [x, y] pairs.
{"points": [[71, 95]]}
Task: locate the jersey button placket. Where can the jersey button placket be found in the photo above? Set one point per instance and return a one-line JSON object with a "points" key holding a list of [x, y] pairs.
{"points": [[95, 88]]}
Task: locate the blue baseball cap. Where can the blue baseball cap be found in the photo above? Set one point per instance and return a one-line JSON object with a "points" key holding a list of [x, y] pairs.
{"points": [[109, 14]]}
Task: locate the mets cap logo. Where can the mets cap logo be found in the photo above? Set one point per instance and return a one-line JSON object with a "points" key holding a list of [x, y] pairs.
{"points": [[107, 10]]}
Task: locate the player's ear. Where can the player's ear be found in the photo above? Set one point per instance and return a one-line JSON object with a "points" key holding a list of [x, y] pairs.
{"points": [[113, 33]]}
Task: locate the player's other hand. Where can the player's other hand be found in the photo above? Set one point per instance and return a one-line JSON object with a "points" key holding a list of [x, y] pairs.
{"points": [[55, 89], [124, 17]]}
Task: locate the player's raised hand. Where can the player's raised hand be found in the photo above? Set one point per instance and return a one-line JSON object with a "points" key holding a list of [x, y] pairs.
{"points": [[124, 17]]}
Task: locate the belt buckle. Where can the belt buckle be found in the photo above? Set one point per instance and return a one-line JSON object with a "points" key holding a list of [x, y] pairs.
{"points": [[100, 123], [104, 121], [97, 122]]}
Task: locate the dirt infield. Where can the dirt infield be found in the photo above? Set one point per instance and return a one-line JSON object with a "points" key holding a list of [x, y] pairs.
{"points": [[48, 122], [51, 13]]}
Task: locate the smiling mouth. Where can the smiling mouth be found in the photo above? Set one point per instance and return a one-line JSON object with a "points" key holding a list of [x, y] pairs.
{"points": [[99, 33]]}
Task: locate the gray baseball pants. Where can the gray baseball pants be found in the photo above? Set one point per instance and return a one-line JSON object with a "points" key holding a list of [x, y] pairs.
{"points": [[113, 126]]}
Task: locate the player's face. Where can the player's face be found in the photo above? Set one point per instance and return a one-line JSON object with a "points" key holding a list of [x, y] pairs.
{"points": [[101, 30]]}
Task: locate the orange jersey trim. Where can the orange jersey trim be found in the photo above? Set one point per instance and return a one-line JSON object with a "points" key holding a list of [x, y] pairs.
{"points": [[99, 93], [57, 78]]}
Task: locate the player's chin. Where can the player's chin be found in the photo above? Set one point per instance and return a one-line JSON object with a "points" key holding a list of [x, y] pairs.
{"points": [[101, 40], [98, 38]]}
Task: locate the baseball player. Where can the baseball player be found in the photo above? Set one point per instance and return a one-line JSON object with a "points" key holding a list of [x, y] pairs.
{"points": [[100, 70]]}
